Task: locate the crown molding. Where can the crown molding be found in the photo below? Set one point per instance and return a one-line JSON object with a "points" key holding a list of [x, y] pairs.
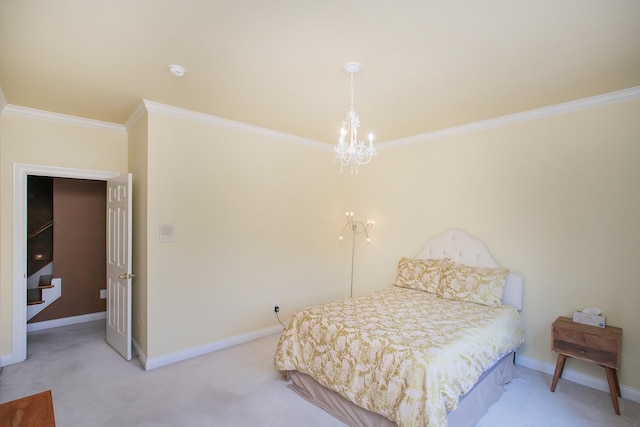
{"points": [[538, 113], [168, 110], [62, 118], [135, 117]]}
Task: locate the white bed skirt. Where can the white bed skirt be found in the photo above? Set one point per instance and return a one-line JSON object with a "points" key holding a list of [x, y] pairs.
{"points": [[471, 408]]}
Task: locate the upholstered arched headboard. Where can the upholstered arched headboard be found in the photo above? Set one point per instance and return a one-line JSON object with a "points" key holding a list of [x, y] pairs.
{"points": [[460, 246]]}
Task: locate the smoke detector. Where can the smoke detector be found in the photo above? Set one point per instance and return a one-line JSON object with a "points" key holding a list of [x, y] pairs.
{"points": [[177, 70]]}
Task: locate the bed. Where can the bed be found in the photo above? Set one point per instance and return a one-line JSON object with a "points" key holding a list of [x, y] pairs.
{"points": [[433, 349]]}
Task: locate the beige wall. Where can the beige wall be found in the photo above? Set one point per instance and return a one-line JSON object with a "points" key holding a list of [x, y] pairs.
{"points": [[555, 199], [43, 142], [255, 220]]}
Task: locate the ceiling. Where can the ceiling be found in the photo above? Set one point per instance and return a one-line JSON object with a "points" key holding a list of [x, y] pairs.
{"points": [[426, 64]]}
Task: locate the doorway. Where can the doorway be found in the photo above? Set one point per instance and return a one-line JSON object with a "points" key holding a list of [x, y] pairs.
{"points": [[21, 172], [66, 247]]}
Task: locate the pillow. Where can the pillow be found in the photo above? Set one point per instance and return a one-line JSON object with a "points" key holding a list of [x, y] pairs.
{"points": [[420, 274], [479, 285]]}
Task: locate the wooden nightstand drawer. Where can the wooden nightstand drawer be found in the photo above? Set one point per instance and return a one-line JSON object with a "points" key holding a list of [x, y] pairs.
{"points": [[601, 357], [598, 342]]}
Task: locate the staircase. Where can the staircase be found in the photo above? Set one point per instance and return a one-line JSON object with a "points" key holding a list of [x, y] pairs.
{"points": [[42, 290], [34, 295]]}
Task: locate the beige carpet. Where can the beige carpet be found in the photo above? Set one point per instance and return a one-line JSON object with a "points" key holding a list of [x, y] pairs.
{"points": [[93, 386]]}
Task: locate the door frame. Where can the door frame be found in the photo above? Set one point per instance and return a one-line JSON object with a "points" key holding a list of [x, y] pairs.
{"points": [[20, 173]]}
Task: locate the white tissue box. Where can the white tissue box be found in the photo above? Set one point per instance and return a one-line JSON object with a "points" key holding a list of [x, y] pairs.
{"points": [[588, 319]]}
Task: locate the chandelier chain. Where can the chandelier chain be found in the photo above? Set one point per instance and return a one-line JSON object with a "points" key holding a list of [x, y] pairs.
{"points": [[351, 87]]}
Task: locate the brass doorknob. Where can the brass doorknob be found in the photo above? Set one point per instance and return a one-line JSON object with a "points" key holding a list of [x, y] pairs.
{"points": [[126, 276]]}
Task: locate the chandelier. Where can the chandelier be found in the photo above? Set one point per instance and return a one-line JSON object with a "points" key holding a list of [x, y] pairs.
{"points": [[349, 151]]}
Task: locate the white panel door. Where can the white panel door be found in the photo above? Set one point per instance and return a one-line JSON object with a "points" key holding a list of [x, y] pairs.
{"points": [[119, 264]]}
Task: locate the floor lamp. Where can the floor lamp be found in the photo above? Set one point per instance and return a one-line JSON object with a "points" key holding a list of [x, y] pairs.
{"points": [[356, 227]]}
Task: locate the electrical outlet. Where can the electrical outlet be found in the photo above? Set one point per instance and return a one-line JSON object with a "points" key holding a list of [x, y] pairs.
{"points": [[276, 306], [137, 320]]}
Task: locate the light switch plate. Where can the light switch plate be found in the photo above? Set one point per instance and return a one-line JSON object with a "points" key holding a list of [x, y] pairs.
{"points": [[166, 233]]}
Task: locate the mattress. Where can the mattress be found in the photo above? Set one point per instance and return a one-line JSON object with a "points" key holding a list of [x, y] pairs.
{"points": [[401, 353]]}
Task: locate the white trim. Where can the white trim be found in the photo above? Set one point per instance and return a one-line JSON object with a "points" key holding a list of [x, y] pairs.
{"points": [[137, 351], [62, 172], [5, 360], [3, 103], [157, 362], [155, 107], [62, 118], [65, 321], [538, 113], [135, 117], [168, 110], [20, 173], [577, 377]]}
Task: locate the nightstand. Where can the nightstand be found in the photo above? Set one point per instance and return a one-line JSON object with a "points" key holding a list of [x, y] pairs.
{"points": [[602, 346]]}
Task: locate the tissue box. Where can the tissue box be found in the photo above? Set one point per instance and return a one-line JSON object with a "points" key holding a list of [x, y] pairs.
{"points": [[588, 319]]}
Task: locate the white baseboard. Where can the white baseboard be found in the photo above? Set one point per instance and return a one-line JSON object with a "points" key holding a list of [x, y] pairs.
{"points": [[72, 320], [156, 362], [577, 377], [7, 359], [139, 353]]}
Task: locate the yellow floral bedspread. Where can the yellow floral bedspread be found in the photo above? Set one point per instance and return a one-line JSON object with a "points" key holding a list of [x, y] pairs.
{"points": [[402, 353]]}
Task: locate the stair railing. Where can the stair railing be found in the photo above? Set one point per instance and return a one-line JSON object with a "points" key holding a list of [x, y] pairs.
{"points": [[40, 229]]}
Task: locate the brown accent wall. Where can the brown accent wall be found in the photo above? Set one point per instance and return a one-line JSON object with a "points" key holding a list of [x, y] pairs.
{"points": [[79, 247]]}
